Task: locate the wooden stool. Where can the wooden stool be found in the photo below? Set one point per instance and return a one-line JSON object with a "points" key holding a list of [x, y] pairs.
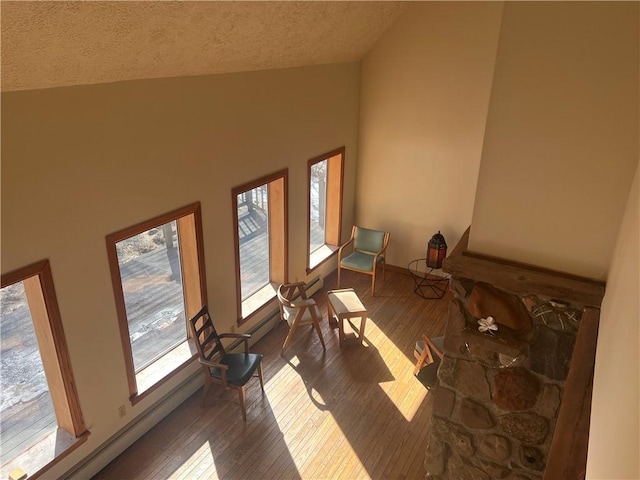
{"points": [[343, 305]]}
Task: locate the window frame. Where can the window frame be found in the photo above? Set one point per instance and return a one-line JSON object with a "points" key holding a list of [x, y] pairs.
{"points": [[190, 238], [278, 189], [47, 323], [334, 197]]}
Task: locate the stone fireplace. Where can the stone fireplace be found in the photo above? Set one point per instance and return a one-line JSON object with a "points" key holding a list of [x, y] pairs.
{"points": [[501, 403]]}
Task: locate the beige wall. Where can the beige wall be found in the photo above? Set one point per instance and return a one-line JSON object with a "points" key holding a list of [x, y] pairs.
{"points": [[560, 150], [561, 142], [614, 439], [425, 94], [79, 163]]}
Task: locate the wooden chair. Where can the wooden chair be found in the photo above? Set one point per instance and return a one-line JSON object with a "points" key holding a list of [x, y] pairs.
{"points": [[428, 353], [363, 252], [231, 370], [298, 310]]}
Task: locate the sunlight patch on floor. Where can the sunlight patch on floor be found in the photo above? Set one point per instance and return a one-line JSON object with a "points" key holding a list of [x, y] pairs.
{"points": [[199, 462], [294, 361], [401, 368], [407, 404]]}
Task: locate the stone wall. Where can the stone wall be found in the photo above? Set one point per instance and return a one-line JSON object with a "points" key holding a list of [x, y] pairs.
{"points": [[498, 395]]}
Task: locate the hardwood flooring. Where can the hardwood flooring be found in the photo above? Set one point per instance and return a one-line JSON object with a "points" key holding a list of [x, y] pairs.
{"points": [[355, 412]]}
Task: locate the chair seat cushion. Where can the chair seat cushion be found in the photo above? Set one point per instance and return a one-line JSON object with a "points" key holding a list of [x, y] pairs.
{"points": [[290, 313], [429, 375], [360, 261], [241, 367]]}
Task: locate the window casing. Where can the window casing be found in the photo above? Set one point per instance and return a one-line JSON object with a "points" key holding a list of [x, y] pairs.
{"points": [[36, 369], [158, 278], [260, 241], [324, 206]]}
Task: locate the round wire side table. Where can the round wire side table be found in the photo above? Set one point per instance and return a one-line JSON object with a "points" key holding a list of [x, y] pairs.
{"points": [[426, 285]]}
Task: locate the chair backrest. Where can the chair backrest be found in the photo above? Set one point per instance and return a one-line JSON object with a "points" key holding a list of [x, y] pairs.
{"points": [[435, 345], [204, 334], [289, 291], [370, 241], [286, 293]]}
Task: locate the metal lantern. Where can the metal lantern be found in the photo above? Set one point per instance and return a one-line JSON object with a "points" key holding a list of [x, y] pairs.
{"points": [[436, 251]]}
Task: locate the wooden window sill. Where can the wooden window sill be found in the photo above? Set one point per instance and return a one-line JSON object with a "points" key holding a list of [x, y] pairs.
{"points": [[320, 255], [44, 454], [258, 300], [164, 368]]}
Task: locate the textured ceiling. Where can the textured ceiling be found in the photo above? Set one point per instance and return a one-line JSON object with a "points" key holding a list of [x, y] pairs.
{"points": [[54, 44]]}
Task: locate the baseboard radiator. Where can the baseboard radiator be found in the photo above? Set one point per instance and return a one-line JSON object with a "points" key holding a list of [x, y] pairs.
{"points": [[144, 422]]}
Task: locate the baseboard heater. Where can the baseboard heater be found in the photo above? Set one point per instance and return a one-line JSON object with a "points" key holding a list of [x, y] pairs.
{"points": [[144, 422], [131, 432]]}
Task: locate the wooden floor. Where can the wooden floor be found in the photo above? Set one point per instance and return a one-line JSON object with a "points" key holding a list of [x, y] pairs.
{"points": [[348, 413]]}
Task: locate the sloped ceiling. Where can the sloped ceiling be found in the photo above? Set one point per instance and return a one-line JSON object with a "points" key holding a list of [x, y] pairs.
{"points": [[55, 44]]}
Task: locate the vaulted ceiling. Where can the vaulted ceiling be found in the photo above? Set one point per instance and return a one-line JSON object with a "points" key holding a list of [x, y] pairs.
{"points": [[56, 44]]}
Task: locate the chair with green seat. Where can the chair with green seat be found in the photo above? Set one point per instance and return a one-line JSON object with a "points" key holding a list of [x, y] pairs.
{"points": [[231, 370], [363, 252]]}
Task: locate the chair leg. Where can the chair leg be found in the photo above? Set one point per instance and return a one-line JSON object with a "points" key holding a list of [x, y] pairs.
{"points": [[339, 274], [316, 325], [324, 347], [261, 377], [243, 402], [287, 340], [373, 282]]}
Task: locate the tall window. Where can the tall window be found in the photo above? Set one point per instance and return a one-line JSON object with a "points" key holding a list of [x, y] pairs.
{"points": [[157, 270], [259, 212], [324, 206], [39, 404]]}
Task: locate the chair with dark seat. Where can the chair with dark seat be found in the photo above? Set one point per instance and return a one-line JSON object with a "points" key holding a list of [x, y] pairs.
{"points": [[231, 370], [298, 310], [428, 353], [363, 252]]}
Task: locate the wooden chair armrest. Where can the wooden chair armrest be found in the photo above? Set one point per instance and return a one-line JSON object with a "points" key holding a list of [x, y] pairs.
{"points": [[223, 369], [211, 364], [383, 249], [343, 246], [384, 246]]}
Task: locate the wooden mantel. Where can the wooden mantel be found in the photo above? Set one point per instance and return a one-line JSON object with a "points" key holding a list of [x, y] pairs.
{"points": [[521, 278]]}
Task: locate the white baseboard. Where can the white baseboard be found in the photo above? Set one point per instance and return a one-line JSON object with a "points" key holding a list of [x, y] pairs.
{"points": [[131, 432]]}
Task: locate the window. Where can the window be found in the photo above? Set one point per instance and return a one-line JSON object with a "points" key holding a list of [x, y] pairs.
{"points": [[324, 206], [259, 212], [39, 403], [157, 272]]}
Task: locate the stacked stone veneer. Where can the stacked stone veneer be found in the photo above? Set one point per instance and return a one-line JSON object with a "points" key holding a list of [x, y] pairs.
{"points": [[497, 397]]}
